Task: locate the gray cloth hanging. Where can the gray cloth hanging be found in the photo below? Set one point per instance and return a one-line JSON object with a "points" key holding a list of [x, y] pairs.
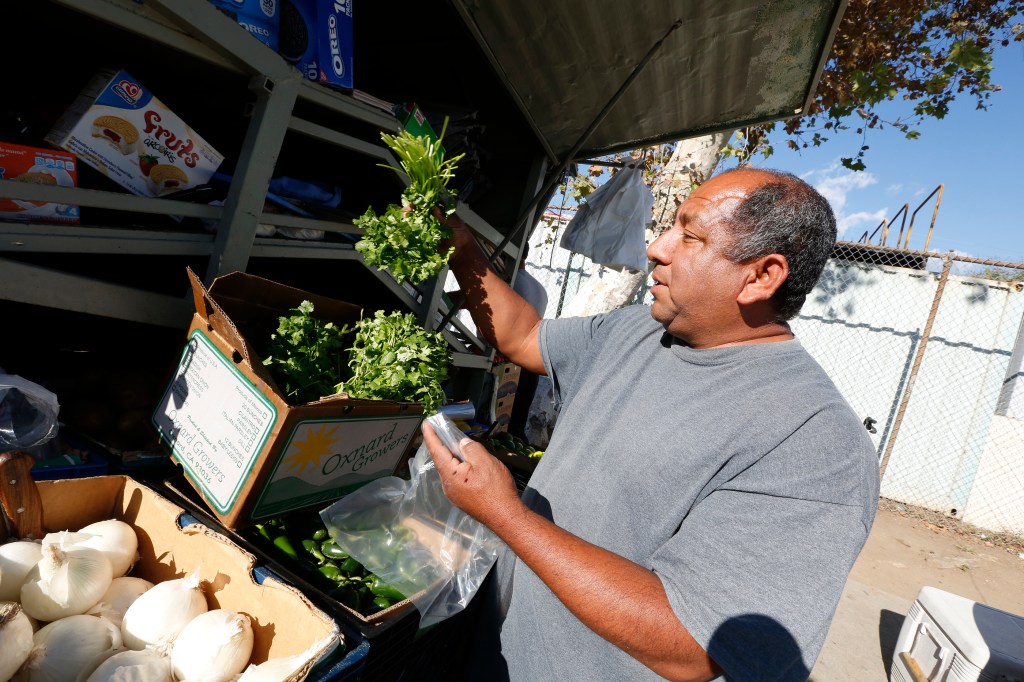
{"points": [[609, 225]]}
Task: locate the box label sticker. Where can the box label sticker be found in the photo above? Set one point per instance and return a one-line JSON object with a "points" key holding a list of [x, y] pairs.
{"points": [[324, 459], [215, 421]]}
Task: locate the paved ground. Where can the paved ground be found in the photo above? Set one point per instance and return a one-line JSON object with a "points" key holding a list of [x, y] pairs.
{"points": [[907, 549]]}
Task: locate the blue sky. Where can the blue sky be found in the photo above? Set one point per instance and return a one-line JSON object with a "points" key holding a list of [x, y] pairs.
{"points": [[976, 154]]}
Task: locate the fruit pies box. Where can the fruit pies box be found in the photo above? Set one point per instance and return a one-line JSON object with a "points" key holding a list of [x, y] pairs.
{"points": [[249, 453], [119, 128]]}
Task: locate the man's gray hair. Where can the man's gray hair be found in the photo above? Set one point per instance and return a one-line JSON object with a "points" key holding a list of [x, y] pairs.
{"points": [[786, 216]]}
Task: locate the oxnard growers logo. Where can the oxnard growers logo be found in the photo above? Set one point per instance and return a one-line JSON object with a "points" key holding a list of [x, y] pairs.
{"points": [[128, 91]]}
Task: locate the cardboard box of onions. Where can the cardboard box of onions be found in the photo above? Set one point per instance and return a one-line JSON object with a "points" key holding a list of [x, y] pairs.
{"points": [[204, 616]]}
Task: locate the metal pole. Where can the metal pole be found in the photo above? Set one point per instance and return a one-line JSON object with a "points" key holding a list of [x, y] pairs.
{"points": [[918, 357]]}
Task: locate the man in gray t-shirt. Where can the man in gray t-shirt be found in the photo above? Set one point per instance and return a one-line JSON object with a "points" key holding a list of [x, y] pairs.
{"points": [[706, 489]]}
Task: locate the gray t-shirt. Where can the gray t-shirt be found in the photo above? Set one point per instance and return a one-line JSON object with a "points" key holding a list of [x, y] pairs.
{"points": [[739, 475]]}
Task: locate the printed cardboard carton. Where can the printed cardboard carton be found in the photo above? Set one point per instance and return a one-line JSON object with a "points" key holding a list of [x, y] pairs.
{"points": [[248, 452], [41, 167], [316, 36], [119, 128]]}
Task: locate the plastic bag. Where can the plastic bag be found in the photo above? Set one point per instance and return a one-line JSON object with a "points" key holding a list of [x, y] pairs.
{"points": [[28, 414], [609, 226], [412, 537], [307, 192]]}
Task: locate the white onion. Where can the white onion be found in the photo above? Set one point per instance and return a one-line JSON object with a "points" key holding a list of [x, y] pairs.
{"points": [[16, 560], [156, 617], [121, 594], [65, 582], [69, 647], [277, 669], [15, 638], [116, 540], [133, 666], [214, 647]]}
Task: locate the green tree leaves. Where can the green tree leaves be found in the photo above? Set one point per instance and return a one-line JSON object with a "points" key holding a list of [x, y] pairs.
{"points": [[925, 52]]}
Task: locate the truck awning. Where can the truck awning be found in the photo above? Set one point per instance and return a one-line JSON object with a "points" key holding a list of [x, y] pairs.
{"points": [[726, 64]]}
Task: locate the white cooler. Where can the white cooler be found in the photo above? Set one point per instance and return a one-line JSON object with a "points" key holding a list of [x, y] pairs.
{"points": [[947, 638]]}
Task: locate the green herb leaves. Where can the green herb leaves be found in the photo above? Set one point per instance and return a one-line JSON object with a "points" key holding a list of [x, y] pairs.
{"points": [[405, 243], [306, 355], [394, 358], [405, 240]]}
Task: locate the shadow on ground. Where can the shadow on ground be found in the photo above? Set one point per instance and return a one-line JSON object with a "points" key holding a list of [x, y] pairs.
{"points": [[889, 624]]}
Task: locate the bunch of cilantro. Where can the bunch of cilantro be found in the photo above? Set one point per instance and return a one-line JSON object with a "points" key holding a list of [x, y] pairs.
{"points": [[306, 355], [391, 358], [407, 238], [394, 358]]}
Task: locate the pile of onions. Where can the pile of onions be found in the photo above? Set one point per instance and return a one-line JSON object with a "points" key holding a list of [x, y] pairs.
{"points": [[97, 624]]}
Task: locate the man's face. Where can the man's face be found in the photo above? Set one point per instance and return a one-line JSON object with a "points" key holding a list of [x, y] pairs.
{"points": [[695, 285]]}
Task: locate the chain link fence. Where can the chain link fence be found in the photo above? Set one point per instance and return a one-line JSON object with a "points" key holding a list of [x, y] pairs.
{"points": [[927, 348]]}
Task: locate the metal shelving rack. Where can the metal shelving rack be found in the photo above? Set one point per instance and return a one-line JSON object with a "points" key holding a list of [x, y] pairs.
{"points": [[197, 28]]}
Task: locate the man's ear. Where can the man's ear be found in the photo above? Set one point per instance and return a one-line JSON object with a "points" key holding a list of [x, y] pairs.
{"points": [[766, 275]]}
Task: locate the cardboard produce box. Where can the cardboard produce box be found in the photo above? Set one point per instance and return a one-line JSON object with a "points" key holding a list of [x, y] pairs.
{"points": [[39, 167], [284, 622], [119, 128], [249, 453]]}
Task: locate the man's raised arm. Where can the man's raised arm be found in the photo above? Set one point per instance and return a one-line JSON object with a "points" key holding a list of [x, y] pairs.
{"points": [[503, 317]]}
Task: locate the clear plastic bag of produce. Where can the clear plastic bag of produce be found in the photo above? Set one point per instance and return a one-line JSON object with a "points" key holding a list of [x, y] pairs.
{"points": [[412, 537], [28, 414]]}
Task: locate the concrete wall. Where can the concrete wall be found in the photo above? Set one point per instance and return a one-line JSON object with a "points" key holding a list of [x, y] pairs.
{"points": [[864, 324]]}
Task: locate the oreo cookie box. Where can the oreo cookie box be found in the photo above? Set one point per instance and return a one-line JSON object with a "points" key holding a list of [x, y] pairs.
{"points": [[119, 128], [316, 36], [259, 17]]}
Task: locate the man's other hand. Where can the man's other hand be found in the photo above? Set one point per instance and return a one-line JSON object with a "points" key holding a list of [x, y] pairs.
{"points": [[481, 486]]}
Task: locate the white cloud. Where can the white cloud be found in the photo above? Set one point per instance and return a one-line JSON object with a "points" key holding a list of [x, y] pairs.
{"points": [[895, 188], [857, 223], [836, 184]]}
